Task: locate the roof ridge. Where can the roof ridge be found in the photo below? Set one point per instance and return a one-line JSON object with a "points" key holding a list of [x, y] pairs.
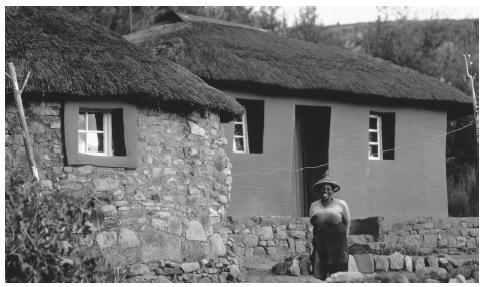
{"points": [[185, 17]]}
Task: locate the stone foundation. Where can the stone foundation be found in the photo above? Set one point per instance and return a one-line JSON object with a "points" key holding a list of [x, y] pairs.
{"points": [[279, 237]]}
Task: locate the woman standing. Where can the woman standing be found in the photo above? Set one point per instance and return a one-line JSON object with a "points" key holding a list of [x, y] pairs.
{"points": [[330, 218]]}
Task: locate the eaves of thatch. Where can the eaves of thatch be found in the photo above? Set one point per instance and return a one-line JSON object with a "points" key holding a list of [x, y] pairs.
{"points": [[226, 54], [70, 58]]}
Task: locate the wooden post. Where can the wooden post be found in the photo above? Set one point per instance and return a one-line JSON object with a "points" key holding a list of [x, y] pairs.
{"points": [[473, 93], [25, 130]]}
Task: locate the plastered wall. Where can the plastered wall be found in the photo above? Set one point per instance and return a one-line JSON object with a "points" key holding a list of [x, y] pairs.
{"points": [[413, 184]]}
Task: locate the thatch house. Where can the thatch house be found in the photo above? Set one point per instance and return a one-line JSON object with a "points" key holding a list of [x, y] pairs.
{"points": [[378, 127], [139, 133]]}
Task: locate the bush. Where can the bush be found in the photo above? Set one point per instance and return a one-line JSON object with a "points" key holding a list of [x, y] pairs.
{"points": [[463, 192], [39, 231]]}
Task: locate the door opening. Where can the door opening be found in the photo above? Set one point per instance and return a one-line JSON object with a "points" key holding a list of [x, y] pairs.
{"points": [[311, 143]]}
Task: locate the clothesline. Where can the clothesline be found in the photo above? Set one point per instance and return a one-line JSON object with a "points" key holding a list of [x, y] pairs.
{"points": [[281, 169]]}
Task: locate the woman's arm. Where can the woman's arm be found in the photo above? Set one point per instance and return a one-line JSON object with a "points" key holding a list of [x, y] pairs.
{"points": [[346, 216]]}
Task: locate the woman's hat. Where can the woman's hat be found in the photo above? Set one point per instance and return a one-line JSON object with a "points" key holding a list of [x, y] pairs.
{"points": [[326, 179]]}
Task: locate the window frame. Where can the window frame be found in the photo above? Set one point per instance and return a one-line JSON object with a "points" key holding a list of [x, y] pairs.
{"points": [[378, 131], [244, 135], [74, 157]]}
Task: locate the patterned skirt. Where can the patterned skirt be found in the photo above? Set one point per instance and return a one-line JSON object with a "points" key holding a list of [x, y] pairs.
{"points": [[330, 250]]}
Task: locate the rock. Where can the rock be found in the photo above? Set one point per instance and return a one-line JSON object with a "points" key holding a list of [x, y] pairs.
{"points": [[434, 273], [196, 129], [150, 276], [105, 184], [84, 170], [163, 279], [190, 267], [281, 234], [250, 240], [106, 239], [138, 269], [216, 246], [234, 274], [159, 224], [175, 226], [352, 264], [300, 246], [471, 243], [430, 240], [408, 263], [381, 263], [365, 262], [396, 261], [431, 281], [297, 233], [419, 263], [431, 261], [211, 270], [128, 238], [443, 261], [305, 265], [272, 251], [195, 231], [458, 279], [46, 184], [341, 277], [109, 210], [265, 233], [280, 268], [460, 241], [294, 268]]}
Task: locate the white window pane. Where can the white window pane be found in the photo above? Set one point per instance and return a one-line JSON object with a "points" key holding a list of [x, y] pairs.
{"points": [[374, 151], [95, 143], [95, 121], [372, 123], [81, 121], [81, 143], [239, 129], [372, 137], [239, 144]]}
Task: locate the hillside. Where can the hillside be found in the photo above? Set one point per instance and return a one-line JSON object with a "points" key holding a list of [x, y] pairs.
{"points": [[433, 47]]}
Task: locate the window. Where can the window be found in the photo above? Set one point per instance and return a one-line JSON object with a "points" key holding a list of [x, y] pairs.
{"points": [[248, 132], [381, 136], [100, 133], [240, 137]]}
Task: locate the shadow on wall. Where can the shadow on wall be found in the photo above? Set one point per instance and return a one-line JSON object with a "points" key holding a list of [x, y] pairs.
{"points": [[369, 225]]}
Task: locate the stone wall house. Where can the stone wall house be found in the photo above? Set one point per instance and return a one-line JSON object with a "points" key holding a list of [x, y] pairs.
{"points": [[141, 135], [377, 126]]}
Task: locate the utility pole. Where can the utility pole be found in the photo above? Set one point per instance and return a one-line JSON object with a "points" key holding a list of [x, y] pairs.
{"points": [[473, 93]]}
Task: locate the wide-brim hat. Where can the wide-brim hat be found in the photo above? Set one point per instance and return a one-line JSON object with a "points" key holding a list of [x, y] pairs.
{"points": [[326, 179]]}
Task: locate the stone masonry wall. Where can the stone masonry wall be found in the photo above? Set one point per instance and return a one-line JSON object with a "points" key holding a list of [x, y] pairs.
{"points": [[450, 235], [169, 209], [280, 237]]}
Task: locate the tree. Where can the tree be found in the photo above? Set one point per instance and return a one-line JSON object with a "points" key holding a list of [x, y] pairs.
{"points": [[305, 27]]}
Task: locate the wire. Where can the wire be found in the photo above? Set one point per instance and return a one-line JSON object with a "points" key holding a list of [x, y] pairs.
{"points": [[281, 169]]}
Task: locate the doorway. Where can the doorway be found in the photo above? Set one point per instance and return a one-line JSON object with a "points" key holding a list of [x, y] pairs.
{"points": [[311, 144]]}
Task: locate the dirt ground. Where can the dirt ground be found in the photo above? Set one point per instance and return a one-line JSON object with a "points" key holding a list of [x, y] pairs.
{"points": [[259, 271]]}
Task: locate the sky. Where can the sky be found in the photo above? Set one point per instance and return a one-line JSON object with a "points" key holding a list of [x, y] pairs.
{"points": [[331, 15]]}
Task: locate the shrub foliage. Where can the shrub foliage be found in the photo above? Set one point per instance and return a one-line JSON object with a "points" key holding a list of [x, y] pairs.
{"points": [[40, 235]]}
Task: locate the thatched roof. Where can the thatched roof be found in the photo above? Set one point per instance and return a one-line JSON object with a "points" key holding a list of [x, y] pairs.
{"points": [[70, 58], [221, 52]]}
